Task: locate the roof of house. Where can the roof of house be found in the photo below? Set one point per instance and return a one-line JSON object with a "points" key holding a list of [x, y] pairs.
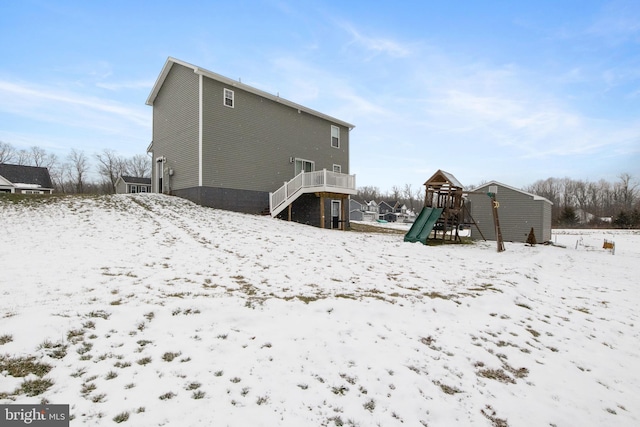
{"points": [[201, 71], [534, 196], [20, 175], [135, 180]]}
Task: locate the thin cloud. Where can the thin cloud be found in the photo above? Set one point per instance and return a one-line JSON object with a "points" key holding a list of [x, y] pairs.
{"points": [[22, 99], [377, 45], [126, 85]]}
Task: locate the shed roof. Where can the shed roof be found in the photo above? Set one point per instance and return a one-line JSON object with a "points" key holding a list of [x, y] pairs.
{"points": [[201, 71], [31, 176], [534, 196]]}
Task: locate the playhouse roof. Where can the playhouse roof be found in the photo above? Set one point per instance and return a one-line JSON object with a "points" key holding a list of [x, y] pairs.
{"points": [[441, 178]]}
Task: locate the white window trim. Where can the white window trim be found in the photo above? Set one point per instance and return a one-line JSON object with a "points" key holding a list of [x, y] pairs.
{"points": [[297, 159], [225, 91], [338, 132], [337, 168]]}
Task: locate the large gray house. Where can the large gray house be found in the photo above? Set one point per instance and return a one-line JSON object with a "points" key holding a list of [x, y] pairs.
{"points": [[518, 212], [224, 144]]}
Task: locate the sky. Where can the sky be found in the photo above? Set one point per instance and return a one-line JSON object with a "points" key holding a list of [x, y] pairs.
{"points": [[486, 90]]}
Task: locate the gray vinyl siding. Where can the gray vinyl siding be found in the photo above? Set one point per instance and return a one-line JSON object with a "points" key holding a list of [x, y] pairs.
{"points": [[518, 212], [121, 187], [249, 146], [175, 127]]}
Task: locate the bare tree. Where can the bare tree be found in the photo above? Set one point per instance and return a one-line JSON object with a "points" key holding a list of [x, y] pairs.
{"points": [[410, 196], [368, 193], [7, 152], [78, 169], [23, 157], [396, 192], [626, 191], [138, 166], [38, 156], [110, 167]]}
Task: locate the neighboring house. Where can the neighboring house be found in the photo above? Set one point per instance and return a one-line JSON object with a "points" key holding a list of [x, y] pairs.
{"points": [[386, 207], [131, 184], [359, 211], [356, 210], [372, 206], [518, 212], [584, 217], [25, 179], [224, 144]]}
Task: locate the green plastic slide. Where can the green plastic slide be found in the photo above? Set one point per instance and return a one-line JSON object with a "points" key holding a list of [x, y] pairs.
{"points": [[421, 228]]}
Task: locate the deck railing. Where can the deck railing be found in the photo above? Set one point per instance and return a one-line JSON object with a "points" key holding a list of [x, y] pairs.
{"points": [[310, 182]]}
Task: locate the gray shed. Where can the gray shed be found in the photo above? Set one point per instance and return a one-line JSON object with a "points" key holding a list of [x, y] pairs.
{"points": [[518, 212]]}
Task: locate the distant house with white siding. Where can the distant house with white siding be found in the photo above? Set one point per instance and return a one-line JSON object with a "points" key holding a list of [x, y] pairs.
{"points": [[25, 179], [518, 212], [132, 184]]}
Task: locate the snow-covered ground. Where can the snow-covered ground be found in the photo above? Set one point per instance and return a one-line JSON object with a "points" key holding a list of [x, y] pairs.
{"points": [[152, 311]]}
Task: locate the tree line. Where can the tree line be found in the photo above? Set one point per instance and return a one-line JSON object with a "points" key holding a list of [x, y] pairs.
{"points": [[79, 173], [575, 202], [591, 203]]}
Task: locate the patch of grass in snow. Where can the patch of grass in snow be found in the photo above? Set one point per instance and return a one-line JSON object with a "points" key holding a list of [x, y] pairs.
{"points": [[23, 366], [485, 287], [340, 390], [87, 387], [74, 336], [533, 332], [55, 350], [198, 394], [582, 310], [85, 348], [34, 387], [6, 338], [490, 414], [262, 400], [121, 417], [193, 386], [169, 356], [434, 295], [370, 405], [144, 361], [447, 389], [167, 396], [523, 305], [496, 374], [99, 314]]}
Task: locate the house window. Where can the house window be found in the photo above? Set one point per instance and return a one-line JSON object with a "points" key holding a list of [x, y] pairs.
{"points": [[304, 166], [337, 168], [133, 189], [335, 136], [228, 98], [143, 188]]}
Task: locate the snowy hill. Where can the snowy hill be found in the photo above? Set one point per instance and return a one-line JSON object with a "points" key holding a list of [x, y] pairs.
{"points": [[152, 311]]}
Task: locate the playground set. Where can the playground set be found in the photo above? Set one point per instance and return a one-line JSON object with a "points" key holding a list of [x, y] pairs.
{"points": [[444, 212]]}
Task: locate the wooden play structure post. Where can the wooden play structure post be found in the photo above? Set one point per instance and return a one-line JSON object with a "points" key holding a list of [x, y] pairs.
{"points": [[496, 221]]}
